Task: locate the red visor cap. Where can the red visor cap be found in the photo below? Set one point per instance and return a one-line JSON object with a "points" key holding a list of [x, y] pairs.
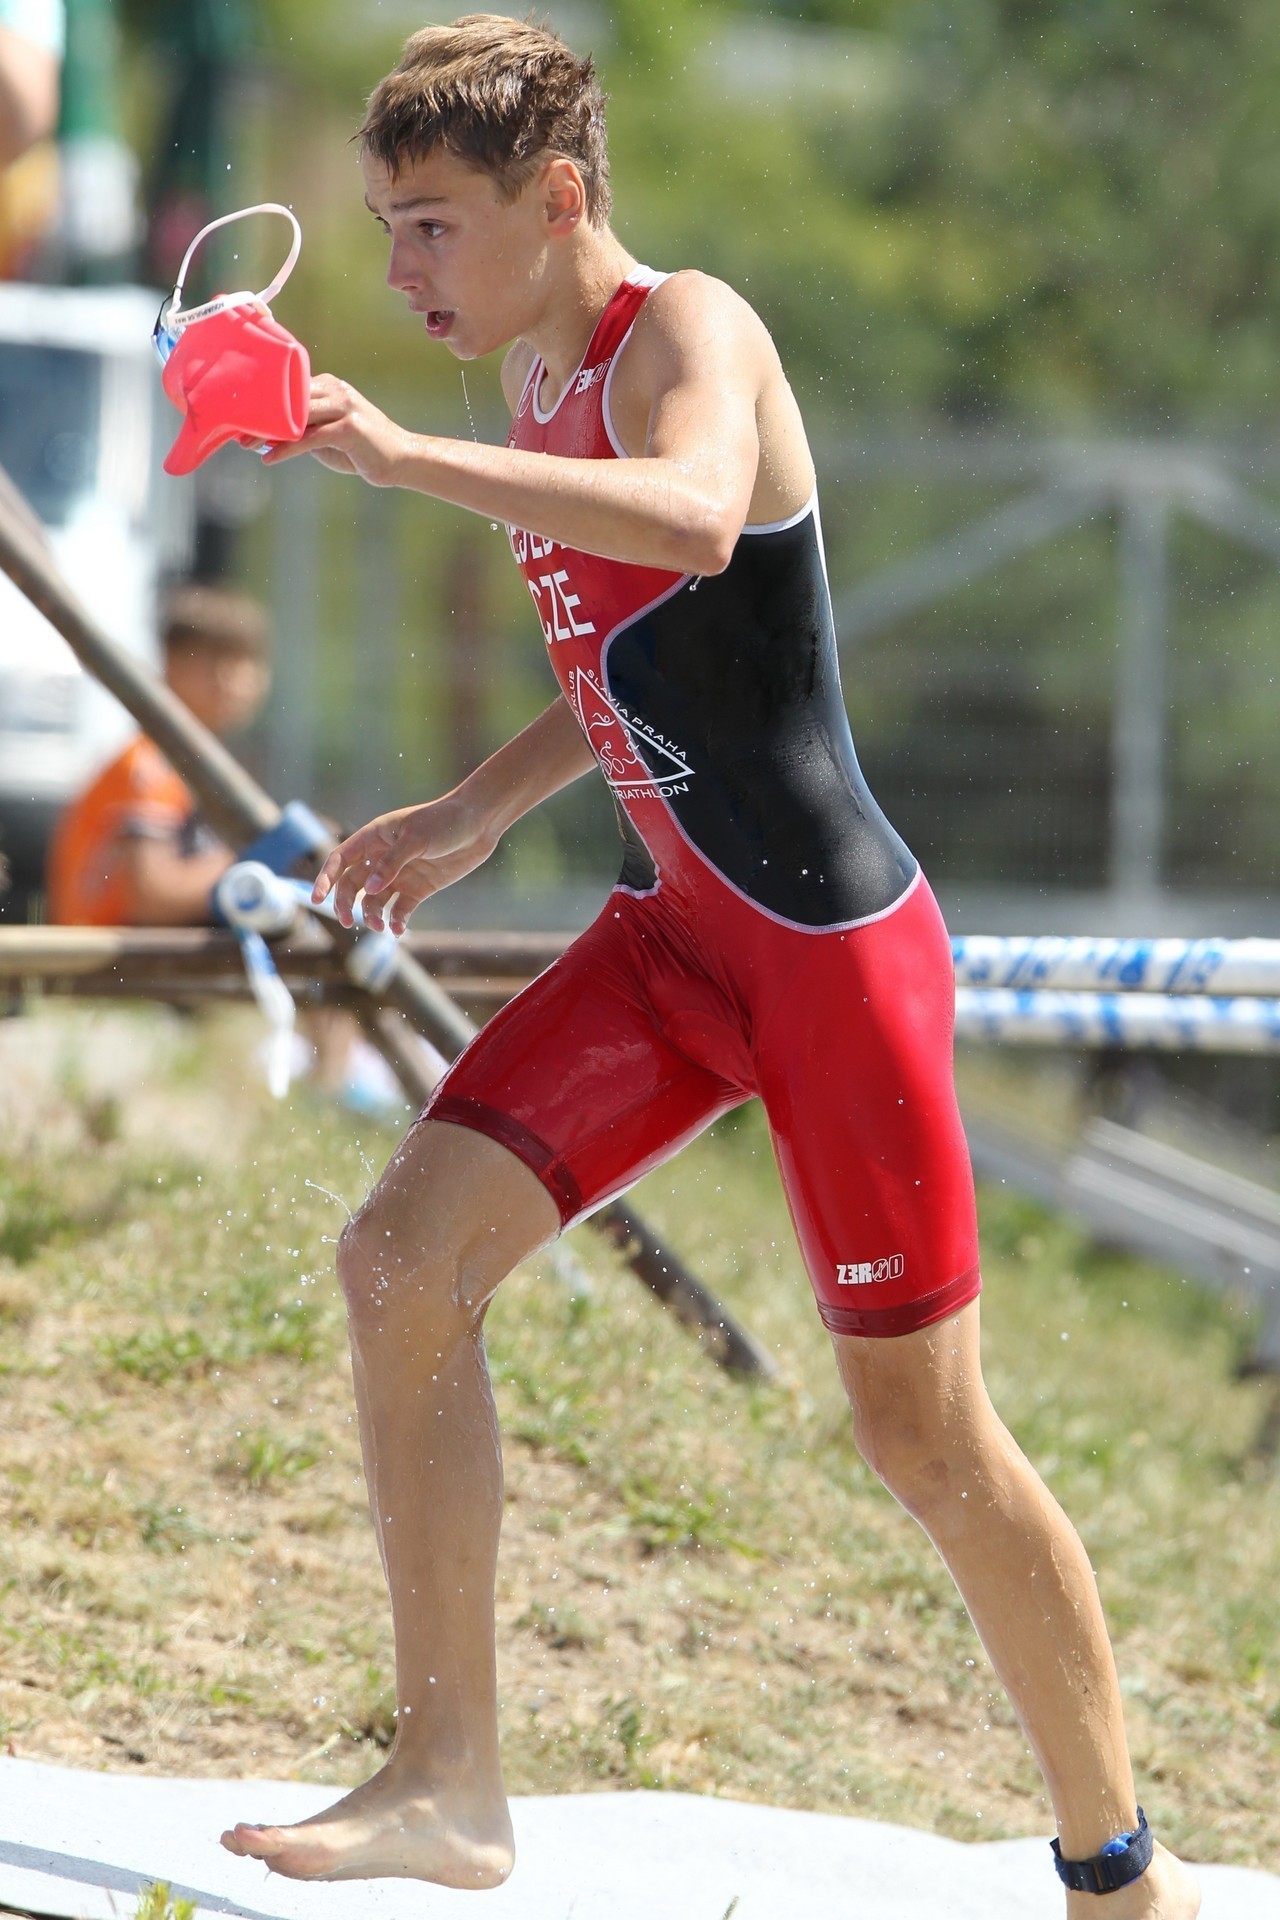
{"points": [[239, 375]]}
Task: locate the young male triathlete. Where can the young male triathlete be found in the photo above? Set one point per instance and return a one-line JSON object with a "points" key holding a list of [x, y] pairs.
{"points": [[770, 935]]}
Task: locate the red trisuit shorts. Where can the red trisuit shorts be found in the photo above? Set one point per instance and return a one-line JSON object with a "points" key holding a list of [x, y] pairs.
{"points": [[668, 1011]]}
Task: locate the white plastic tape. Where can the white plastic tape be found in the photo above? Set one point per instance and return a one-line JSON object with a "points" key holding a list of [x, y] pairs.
{"points": [[276, 1003]]}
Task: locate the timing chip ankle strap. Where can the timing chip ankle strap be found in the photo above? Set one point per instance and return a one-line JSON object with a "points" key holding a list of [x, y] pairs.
{"points": [[1121, 1860]]}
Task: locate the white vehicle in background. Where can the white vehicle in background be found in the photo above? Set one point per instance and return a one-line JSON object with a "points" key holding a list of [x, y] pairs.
{"points": [[83, 429]]}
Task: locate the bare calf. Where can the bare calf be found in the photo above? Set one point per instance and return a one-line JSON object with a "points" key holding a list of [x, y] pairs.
{"points": [[419, 1265], [924, 1423]]}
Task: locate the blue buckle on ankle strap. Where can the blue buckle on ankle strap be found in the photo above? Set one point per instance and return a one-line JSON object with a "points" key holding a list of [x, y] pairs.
{"points": [[1120, 1861]]}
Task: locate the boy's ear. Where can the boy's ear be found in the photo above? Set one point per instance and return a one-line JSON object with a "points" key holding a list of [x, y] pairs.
{"points": [[564, 197]]}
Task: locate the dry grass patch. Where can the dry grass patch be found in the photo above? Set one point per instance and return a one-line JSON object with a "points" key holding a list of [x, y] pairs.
{"points": [[701, 1586]]}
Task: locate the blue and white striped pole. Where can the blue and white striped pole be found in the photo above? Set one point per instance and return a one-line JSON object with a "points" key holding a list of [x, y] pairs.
{"points": [[1170, 1023], [1221, 967], [1082, 991], [1025, 989]]}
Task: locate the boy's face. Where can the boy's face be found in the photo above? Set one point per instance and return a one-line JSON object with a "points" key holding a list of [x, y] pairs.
{"points": [[473, 265], [223, 688]]}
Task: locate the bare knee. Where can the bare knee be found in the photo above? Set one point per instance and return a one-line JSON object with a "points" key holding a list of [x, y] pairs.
{"points": [[938, 1460], [922, 1417], [899, 1454], [419, 1284]]}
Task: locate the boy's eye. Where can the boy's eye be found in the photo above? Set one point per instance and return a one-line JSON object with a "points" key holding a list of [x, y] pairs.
{"points": [[432, 228]]}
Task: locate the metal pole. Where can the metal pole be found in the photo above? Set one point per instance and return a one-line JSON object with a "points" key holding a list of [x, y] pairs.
{"points": [[233, 802], [971, 551], [1138, 730]]}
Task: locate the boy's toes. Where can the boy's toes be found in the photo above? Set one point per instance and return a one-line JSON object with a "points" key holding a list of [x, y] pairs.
{"points": [[239, 1839]]}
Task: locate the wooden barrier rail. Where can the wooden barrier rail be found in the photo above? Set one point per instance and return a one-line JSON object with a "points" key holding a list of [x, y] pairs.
{"points": [[155, 955]]}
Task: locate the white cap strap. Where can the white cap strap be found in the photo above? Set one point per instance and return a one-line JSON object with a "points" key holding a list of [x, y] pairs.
{"points": [[268, 293]]}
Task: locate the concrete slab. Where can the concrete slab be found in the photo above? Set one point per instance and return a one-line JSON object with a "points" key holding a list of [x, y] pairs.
{"points": [[80, 1846]]}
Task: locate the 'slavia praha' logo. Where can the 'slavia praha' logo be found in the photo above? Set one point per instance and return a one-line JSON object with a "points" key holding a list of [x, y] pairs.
{"points": [[614, 735], [866, 1273]]}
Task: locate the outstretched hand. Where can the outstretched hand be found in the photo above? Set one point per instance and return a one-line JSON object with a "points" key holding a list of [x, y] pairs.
{"points": [[401, 859], [347, 433]]}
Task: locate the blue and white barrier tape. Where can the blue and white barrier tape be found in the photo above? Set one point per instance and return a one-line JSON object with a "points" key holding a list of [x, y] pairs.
{"points": [[1031, 990], [1222, 967], [276, 1002], [1171, 1023]]}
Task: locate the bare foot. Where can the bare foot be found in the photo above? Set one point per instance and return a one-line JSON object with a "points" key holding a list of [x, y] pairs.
{"points": [[390, 1827], [1166, 1891]]}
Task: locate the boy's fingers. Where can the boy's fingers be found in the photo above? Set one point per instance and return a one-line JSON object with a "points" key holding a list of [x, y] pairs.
{"points": [[317, 439], [354, 876], [348, 885]]}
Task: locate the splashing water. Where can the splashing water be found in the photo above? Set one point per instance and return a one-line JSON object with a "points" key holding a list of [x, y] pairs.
{"points": [[335, 1197]]}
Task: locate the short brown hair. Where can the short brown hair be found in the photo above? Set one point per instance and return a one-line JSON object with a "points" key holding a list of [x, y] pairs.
{"points": [[499, 94], [221, 619]]}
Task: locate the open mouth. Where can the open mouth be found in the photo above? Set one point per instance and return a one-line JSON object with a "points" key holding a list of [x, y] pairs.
{"points": [[438, 322]]}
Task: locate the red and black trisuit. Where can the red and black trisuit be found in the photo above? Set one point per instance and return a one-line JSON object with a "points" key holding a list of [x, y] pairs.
{"points": [[769, 934]]}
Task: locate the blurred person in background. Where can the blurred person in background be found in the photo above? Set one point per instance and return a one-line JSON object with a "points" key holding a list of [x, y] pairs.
{"points": [[32, 40], [132, 850]]}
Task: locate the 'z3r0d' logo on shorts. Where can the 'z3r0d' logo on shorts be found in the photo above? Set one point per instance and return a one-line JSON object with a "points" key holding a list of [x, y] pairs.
{"points": [[865, 1273]]}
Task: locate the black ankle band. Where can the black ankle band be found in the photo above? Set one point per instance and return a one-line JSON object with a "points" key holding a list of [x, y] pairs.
{"points": [[1120, 1861]]}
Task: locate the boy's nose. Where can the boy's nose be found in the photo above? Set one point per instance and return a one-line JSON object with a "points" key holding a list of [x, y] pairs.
{"points": [[401, 272]]}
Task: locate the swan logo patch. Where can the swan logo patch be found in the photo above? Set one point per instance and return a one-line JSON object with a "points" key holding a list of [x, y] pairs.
{"points": [[615, 737]]}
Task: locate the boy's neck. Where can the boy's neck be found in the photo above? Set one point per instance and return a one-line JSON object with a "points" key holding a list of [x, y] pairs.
{"points": [[587, 280]]}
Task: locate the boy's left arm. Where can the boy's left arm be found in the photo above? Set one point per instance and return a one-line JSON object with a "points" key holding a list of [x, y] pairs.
{"points": [[694, 372]]}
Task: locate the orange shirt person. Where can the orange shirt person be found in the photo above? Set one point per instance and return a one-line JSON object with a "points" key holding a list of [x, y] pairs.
{"points": [[131, 850]]}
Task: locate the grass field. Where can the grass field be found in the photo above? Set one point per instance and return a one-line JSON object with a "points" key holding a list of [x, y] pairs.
{"points": [[702, 1587]]}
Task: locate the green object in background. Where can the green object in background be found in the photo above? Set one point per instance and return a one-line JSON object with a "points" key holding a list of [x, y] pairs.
{"points": [[90, 71], [98, 226], [208, 43]]}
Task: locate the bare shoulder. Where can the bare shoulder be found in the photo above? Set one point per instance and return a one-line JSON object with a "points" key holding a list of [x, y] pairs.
{"points": [[691, 312], [516, 368], [696, 338]]}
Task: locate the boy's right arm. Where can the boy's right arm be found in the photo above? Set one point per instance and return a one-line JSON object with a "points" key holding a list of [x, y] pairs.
{"points": [[401, 858]]}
